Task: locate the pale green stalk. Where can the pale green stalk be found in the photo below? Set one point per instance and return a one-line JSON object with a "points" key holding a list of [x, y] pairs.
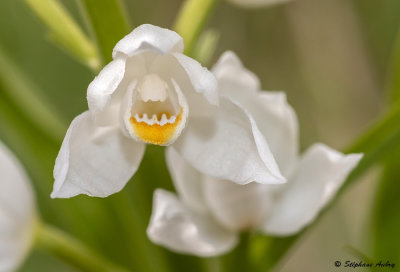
{"points": [[65, 31], [72, 251], [205, 47], [191, 20]]}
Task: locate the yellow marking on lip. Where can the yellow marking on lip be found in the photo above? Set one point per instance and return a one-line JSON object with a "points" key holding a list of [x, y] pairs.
{"points": [[155, 134]]}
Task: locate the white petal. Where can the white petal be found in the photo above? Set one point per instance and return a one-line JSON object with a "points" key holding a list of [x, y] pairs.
{"points": [[277, 121], [231, 74], [228, 145], [176, 227], [197, 84], [104, 85], [257, 3], [187, 180], [96, 161], [319, 175], [202, 80], [275, 118], [238, 207], [17, 212], [149, 37], [106, 91]]}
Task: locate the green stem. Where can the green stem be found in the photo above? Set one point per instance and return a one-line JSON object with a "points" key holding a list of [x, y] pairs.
{"points": [[205, 46], [191, 20], [72, 250], [238, 259], [212, 264]]}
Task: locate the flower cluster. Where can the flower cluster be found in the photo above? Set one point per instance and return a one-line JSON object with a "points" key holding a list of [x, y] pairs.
{"points": [[153, 94], [208, 214], [232, 148]]}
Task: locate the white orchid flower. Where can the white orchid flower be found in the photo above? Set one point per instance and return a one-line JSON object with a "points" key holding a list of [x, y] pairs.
{"points": [[207, 216], [18, 215], [257, 3], [152, 93]]}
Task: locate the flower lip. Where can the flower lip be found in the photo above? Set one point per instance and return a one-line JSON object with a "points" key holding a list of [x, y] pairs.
{"points": [[156, 131], [156, 110]]}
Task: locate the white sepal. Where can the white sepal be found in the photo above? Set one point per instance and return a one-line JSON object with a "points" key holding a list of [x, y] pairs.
{"points": [[180, 229], [18, 216], [96, 161], [318, 176]]}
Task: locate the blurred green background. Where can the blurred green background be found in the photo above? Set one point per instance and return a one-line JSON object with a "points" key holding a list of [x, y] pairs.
{"points": [[331, 57]]}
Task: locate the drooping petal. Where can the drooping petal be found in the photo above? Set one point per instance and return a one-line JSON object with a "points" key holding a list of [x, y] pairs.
{"points": [[104, 85], [274, 117], [17, 212], [178, 228], [96, 161], [107, 90], [198, 85], [228, 145], [202, 80], [187, 180], [233, 76], [319, 175], [238, 207], [277, 121], [150, 37]]}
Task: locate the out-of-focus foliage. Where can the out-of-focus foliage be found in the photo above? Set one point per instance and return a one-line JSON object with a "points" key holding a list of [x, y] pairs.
{"points": [[106, 23], [386, 219], [386, 213], [65, 32], [330, 56]]}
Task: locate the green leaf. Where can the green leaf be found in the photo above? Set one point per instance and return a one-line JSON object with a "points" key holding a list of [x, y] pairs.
{"points": [[108, 22], [394, 75], [386, 214], [191, 20], [65, 31], [23, 92]]}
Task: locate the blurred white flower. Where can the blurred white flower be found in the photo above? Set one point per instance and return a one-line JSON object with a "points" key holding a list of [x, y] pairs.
{"points": [[209, 213], [257, 3], [152, 93], [18, 215]]}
